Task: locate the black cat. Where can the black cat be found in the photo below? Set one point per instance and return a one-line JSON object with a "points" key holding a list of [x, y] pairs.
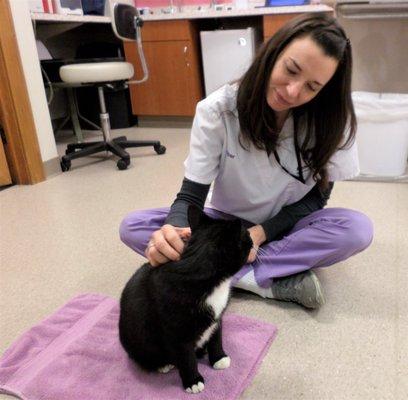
{"points": [[171, 314]]}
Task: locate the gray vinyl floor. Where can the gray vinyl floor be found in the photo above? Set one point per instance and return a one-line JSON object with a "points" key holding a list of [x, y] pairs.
{"points": [[60, 238]]}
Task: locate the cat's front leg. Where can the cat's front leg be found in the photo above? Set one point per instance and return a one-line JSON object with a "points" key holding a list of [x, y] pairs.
{"points": [[186, 362], [216, 354]]}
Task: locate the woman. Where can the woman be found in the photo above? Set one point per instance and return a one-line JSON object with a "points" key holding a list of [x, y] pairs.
{"points": [[273, 144]]}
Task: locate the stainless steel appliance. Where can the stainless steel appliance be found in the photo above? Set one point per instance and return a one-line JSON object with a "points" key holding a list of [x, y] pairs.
{"points": [[378, 31]]}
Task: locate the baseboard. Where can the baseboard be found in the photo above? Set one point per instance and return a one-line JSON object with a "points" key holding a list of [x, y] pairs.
{"points": [[165, 122], [52, 167], [384, 179]]}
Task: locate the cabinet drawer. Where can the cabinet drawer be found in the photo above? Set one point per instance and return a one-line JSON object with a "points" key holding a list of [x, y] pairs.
{"points": [[154, 31]]}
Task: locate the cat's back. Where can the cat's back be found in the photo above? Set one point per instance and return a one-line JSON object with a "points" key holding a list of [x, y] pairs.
{"points": [[136, 289]]}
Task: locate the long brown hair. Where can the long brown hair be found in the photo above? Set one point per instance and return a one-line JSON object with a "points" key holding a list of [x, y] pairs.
{"points": [[325, 118]]}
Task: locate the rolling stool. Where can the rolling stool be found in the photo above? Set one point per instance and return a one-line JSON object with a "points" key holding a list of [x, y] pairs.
{"points": [[102, 74]]}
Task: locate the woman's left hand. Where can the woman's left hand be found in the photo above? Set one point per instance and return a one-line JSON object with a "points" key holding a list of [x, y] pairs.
{"points": [[258, 236]]}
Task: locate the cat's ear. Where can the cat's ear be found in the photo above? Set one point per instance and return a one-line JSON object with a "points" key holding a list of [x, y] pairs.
{"points": [[195, 216]]}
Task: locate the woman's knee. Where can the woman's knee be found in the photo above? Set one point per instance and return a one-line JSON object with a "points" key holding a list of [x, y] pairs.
{"points": [[358, 231], [129, 229], [137, 227]]}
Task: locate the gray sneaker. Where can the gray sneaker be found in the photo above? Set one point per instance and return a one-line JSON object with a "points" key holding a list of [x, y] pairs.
{"points": [[303, 288]]}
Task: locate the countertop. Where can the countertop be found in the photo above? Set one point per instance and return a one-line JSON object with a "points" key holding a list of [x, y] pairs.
{"points": [[191, 12], [227, 10]]}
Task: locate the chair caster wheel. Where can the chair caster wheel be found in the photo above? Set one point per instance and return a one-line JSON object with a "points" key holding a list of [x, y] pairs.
{"points": [[123, 164], [159, 149], [65, 164]]}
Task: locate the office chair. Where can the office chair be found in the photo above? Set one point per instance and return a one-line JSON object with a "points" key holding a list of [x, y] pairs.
{"points": [[126, 24]]}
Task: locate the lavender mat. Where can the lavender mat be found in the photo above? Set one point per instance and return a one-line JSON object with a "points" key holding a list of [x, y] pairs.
{"points": [[75, 354]]}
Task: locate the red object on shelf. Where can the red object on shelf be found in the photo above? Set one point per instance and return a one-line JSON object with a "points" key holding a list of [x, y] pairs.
{"points": [[48, 6]]}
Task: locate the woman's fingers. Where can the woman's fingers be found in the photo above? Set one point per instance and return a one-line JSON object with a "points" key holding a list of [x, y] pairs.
{"points": [[184, 233], [155, 257], [252, 256], [175, 244], [166, 244]]}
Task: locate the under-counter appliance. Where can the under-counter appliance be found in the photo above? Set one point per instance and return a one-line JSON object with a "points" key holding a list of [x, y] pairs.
{"points": [[226, 55]]}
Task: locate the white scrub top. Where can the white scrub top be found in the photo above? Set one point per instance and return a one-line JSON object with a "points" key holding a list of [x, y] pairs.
{"points": [[249, 184]]}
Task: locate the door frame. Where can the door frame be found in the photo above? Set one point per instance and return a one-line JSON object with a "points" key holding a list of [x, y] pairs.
{"points": [[21, 147]]}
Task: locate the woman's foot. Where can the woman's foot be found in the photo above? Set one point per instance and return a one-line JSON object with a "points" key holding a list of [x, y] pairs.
{"points": [[303, 288]]}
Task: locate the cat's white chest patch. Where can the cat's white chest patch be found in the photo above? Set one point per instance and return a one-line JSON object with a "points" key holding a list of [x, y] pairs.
{"points": [[218, 299]]}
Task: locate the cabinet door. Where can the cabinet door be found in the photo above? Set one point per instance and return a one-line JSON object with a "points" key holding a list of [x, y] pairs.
{"points": [[272, 23], [5, 178], [173, 87]]}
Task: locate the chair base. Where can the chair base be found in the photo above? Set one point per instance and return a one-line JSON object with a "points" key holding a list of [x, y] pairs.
{"points": [[115, 146]]}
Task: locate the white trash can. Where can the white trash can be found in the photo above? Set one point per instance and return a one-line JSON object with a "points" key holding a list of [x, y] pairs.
{"points": [[382, 132]]}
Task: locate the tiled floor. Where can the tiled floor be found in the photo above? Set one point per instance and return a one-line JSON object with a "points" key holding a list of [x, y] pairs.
{"points": [[60, 238]]}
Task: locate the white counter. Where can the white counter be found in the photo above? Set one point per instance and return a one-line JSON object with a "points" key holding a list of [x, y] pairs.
{"points": [[193, 13], [188, 13], [46, 17]]}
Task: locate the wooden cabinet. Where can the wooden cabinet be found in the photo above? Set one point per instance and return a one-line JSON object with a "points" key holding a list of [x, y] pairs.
{"points": [[272, 23], [174, 86]]}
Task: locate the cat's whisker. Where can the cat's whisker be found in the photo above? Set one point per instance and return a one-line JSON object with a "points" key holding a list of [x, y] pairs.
{"points": [[261, 251]]}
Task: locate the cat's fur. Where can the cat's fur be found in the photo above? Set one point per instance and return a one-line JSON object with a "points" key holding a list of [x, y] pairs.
{"points": [[171, 314]]}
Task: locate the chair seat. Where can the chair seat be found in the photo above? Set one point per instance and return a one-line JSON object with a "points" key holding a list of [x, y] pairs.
{"points": [[96, 72]]}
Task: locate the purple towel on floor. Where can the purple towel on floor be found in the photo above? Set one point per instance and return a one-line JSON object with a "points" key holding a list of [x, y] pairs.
{"points": [[76, 354]]}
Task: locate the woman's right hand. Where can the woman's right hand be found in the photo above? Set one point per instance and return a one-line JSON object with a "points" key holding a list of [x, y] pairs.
{"points": [[166, 244]]}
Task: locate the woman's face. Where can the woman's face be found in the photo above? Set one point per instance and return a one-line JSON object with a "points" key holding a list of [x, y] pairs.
{"points": [[300, 72]]}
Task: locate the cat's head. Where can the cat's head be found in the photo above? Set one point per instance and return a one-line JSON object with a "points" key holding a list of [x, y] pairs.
{"points": [[226, 239]]}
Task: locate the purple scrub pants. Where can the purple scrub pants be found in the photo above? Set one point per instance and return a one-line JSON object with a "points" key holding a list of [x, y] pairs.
{"points": [[323, 238]]}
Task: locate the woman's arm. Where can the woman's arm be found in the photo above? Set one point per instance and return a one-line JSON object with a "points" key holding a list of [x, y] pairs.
{"points": [[274, 228], [289, 215], [190, 193]]}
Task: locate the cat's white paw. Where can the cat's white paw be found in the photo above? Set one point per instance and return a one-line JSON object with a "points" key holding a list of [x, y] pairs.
{"points": [[166, 368], [199, 387], [225, 362]]}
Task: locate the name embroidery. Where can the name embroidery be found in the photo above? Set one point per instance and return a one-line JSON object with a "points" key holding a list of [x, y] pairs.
{"points": [[230, 155]]}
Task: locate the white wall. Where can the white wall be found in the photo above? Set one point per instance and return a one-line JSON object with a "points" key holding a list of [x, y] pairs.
{"points": [[33, 77]]}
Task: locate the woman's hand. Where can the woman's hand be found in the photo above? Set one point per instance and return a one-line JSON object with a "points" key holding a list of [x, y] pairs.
{"points": [[258, 236], [166, 244]]}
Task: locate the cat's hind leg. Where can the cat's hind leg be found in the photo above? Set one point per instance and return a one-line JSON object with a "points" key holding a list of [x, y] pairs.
{"points": [[167, 368]]}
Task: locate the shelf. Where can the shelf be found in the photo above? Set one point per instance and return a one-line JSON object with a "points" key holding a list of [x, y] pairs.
{"points": [[46, 17]]}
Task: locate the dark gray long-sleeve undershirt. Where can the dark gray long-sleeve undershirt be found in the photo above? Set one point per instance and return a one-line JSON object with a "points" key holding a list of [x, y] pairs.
{"points": [[275, 227]]}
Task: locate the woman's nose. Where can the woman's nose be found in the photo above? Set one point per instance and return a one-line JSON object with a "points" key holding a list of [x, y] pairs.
{"points": [[293, 89]]}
